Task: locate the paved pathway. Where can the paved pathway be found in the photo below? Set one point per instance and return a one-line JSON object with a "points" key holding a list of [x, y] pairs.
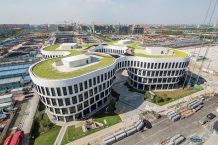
{"points": [[60, 135], [28, 117]]}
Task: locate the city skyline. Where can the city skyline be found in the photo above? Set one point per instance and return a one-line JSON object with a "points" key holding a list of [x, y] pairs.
{"points": [[106, 12]]}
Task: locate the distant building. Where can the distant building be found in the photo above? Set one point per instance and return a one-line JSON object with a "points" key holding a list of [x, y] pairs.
{"points": [[65, 28], [6, 102]]}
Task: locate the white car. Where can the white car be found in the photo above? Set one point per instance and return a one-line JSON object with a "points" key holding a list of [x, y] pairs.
{"points": [[216, 109]]}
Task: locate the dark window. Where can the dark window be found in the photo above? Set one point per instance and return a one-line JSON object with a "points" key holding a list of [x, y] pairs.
{"points": [[60, 102], [76, 88], [72, 109], [47, 91], [43, 91], [91, 92], [95, 90], [102, 77], [79, 107], [53, 92], [64, 91], [86, 104], [96, 97], [86, 95], [80, 97], [67, 101], [48, 101], [85, 85], [74, 100], [90, 83], [98, 79], [70, 89], [64, 110], [92, 100], [94, 81], [53, 102], [57, 111], [81, 86], [58, 91]]}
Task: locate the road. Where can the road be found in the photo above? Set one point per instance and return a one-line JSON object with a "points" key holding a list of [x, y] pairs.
{"points": [[165, 128]]}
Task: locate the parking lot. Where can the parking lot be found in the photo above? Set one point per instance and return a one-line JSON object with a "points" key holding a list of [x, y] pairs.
{"points": [[164, 128]]}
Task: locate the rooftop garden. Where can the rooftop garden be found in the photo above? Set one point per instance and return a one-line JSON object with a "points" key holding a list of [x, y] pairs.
{"points": [[177, 54], [45, 69]]}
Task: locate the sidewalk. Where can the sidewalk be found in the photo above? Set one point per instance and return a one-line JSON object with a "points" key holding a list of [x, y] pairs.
{"points": [[60, 135]]}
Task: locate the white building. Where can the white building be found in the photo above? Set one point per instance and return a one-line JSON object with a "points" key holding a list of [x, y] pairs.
{"points": [[83, 93], [68, 46], [124, 42], [75, 61]]}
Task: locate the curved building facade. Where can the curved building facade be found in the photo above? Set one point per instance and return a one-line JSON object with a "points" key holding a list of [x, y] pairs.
{"points": [[76, 97]]}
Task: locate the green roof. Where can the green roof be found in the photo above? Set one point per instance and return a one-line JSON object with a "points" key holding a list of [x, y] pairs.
{"points": [[45, 69], [177, 54]]}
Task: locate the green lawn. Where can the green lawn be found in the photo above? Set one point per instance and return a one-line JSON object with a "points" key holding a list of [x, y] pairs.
{"points": [[136, 46], [177, 53], [43, 131], [165, 97], [49, 137], [45, 69], [112, 118], [52, 47]]}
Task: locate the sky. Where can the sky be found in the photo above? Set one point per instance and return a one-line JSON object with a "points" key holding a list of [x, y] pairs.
{"points": [[106, 11]]}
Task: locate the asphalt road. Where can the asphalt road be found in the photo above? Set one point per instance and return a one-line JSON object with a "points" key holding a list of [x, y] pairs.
{"points": [[165, 128]]}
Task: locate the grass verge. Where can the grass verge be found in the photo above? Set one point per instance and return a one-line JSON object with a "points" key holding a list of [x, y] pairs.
{"points": [[101, 116], [43, 131]]}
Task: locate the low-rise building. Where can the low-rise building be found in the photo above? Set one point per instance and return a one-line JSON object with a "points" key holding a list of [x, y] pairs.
{"points": [[6, 102]]}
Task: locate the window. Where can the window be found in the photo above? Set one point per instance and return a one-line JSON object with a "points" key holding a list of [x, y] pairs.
{"points": [[92, 100], [67, 101], [70, 89], [98, 79], [86, 104], [58, 91], [91, 92], [72, 109], [64, 91], [96, 97], [85, 84], [53, 92], [94, 81], [64, 110], [48, 101], [57, 111], [53, 102], [80, 97], [43, 91], [90, 82], [86, 95], [74, 100], [79, 107], [76, 88], [100, 88], [95, 90], [47, 91], [102, 77], [81, 86], [60, 102]]}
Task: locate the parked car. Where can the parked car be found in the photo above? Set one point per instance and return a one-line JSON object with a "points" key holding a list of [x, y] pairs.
{"points": [[211, 116], [203, 120], [216, 109]]}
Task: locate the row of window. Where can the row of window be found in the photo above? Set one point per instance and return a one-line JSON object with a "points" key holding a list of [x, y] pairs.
{"points": [[86, 96], [145, 73], [151, 87], [64, 91], [107, 50], [77, 108], [78, 115], [153, 65], [152, 80]]}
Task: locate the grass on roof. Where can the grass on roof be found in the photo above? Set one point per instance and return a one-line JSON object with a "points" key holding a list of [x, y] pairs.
{"points": [[177, 54], [45, 69], [136, 45], [52, 47]]}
